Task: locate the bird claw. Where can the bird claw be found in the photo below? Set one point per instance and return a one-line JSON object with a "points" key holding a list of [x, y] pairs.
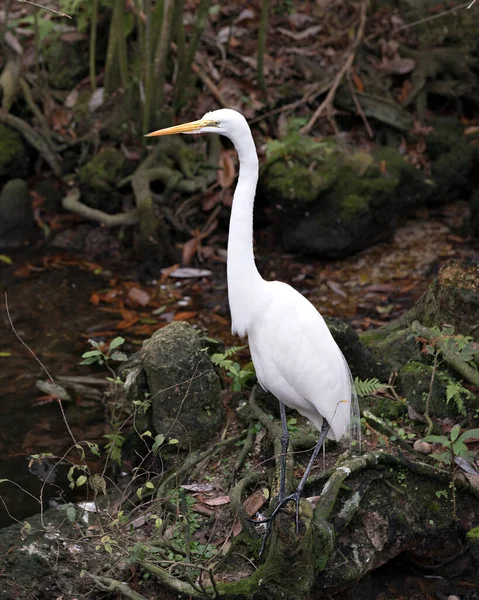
{"points": [[268, 521]]}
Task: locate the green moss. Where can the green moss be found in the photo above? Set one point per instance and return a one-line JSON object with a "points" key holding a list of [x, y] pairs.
{"points": [[66, 64], [473, 535], [300, 169], [12, 154], [104, 171], [414, 381]]}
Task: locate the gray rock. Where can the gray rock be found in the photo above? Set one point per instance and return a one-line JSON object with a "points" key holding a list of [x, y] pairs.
{"points": [[16, 214], [183, 385]]}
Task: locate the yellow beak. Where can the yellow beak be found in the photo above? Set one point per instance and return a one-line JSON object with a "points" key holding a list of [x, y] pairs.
{"points": [[192, 127]]}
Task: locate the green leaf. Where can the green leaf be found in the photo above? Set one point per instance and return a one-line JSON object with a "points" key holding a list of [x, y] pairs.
{"points": [[89, 361], [159, 439], [94, 449], [81, 480], [470, 434], [118, 341], [5, 354], [439, 439], [173, 441], [455, 431], [71, 513], [92, 353], [5, 259], [119, 356]]}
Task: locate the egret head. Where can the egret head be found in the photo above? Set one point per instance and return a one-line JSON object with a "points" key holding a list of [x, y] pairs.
{"points": [[224, 121]]}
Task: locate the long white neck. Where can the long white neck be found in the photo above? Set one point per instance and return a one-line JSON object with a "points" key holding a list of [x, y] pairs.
{"points": [[243, 276]]}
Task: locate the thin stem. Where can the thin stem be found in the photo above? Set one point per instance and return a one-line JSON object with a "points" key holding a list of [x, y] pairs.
{"points": [[263, 26], [94, 21]]}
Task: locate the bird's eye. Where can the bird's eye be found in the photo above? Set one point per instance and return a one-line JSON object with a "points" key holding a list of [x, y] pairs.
{"points": [[217, 123]]}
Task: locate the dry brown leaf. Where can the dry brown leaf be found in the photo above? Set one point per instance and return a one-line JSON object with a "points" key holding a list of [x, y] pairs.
{"points": [[226, 170], [189, 249], [254, 502], [219, 501], [185, 315]]}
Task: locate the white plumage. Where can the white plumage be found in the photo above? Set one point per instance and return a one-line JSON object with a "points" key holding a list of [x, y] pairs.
{"points": [[294, 354]]}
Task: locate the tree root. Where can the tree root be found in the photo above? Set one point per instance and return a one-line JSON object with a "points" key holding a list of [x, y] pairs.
{"points": [[71, 202], [236, 501], [107, 584], [381, 426]]}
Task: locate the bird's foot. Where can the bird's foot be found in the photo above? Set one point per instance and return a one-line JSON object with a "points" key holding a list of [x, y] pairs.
{"points": [[268, 521]]}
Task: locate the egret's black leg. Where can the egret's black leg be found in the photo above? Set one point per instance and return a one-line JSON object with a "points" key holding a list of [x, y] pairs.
{"points": [[295, 496], [284, 452]]}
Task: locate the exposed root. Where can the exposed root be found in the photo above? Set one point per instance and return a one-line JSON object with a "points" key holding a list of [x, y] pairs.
{"points": [[71, 202], [107, 584]]}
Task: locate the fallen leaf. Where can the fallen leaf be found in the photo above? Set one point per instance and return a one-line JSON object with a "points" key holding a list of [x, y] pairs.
{"points": [[197, 487], [138, 296], [185, 315], [226, 170], [186, 272], [190, 248], [358, 83], [254, 502], [219, 501]]}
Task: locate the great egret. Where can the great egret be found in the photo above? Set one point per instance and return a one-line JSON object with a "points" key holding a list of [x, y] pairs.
{"points": [[293, 351]]}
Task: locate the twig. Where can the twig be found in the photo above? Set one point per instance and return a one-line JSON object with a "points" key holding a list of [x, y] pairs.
{"points": [[56, 12], [215, 92], [326, 104]]}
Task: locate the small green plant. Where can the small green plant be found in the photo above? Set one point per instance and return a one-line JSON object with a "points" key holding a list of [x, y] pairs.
{"points": [[239, 375], [459, 352], [97, 355], [454, 445], [114, 446], [368, 387]]}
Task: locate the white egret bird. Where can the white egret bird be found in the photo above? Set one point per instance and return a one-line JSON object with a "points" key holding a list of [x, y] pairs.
{"points": [[293, 351]]}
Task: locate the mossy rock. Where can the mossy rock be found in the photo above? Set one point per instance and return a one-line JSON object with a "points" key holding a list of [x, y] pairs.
{"points": [[287, 173], [414, 382], [455, 29], [362, 362], [100, 177], [394, 348], [16, 214], [13, 159], [104, 171], [183, 386], [331, 202], [452, 299], [454, 161]]}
